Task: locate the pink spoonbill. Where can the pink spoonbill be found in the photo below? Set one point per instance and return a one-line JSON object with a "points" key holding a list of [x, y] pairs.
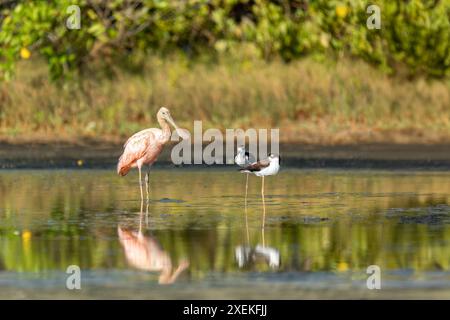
{"points": [[144, 147]]}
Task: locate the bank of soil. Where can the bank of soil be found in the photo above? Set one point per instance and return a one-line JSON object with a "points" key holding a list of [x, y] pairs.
{"points": [[96, 154]]}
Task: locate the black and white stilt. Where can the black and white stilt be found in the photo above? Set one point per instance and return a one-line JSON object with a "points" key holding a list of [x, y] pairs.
{"points": [[243, 159], [262, 168]]}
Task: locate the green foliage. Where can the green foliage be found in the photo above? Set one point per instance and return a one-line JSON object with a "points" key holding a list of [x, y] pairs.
{"points": [[414, 38]]}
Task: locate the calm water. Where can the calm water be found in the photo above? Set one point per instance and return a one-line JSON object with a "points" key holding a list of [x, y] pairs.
{"points": [[195, 239]]}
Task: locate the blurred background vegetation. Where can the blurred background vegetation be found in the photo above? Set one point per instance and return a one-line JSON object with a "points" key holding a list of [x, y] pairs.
{"points": [[312, 68]]}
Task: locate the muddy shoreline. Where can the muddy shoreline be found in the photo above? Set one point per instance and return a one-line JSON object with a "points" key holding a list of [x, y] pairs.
{"points": [[361, 156]]}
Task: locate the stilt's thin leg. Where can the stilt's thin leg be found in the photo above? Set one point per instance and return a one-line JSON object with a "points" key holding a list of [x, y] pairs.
{"points": [[246, 226], [262, 235], [264, 204], [245, 209], [147, 184], [246, 191], [140, 183]]}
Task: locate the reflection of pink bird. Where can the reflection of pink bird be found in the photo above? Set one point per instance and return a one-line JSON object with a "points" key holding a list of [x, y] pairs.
{"points": [[144, 252], [144, 147]]}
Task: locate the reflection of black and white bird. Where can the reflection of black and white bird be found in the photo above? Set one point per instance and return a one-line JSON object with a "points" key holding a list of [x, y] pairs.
{"points": [[262, 168], [243, 159], [246, 256]]}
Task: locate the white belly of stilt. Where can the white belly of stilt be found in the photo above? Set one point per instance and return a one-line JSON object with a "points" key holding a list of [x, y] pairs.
{"points": [[271, 170]]}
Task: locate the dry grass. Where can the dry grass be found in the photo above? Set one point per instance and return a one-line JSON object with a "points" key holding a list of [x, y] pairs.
{"points": [[309, 101]]}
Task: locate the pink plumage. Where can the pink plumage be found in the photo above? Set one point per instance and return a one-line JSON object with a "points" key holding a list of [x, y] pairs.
{"points": [[144, 147]]}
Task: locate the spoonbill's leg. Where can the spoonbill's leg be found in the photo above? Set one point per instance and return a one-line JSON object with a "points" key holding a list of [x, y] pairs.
{"points": [[140, 218], [147, 184], [146, 215], [140, 183], [264, 203]]}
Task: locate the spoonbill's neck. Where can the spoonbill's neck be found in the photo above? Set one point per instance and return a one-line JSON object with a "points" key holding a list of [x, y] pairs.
{"points": [[165, 129]]}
